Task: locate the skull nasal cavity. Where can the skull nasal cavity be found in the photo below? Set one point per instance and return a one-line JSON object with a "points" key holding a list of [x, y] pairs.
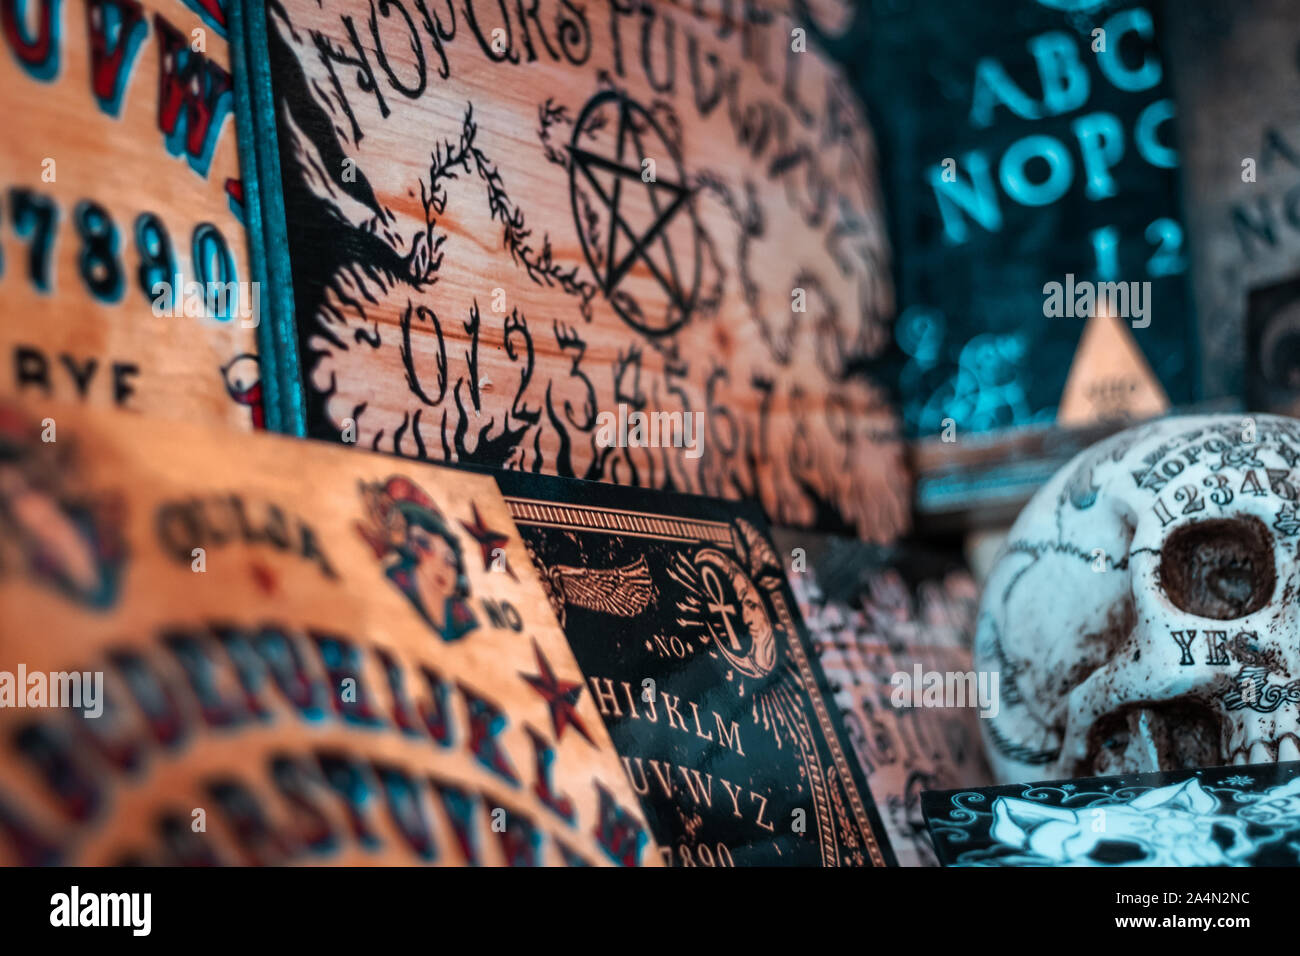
{"points": [[1222, 569]]}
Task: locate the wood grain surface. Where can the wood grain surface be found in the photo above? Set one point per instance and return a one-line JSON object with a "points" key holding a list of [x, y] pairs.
{"points": [[511, 226], [119, 171], [338, 658]]}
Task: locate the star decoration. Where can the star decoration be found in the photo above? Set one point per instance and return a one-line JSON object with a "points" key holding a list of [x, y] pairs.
{"points": [[488, 541], [264, 577], [561, 696], [620, 170], [637, 213]]}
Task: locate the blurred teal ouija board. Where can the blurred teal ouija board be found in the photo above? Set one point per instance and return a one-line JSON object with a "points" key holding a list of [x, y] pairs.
{"points": [[1031, 160]]}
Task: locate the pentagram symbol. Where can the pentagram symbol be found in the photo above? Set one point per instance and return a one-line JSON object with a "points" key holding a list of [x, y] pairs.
{"points": [[638, 231]]}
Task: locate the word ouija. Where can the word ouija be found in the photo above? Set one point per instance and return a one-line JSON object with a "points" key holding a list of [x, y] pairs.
{"points": [[245, 677], [226, 519]]}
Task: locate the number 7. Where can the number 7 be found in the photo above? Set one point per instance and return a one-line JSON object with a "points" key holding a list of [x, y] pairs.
{"points": [[35, 216]]}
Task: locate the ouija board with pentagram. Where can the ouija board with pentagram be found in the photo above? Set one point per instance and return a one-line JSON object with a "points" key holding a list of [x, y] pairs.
{"points": [[357, 669], [505, 225], [679, 614]]}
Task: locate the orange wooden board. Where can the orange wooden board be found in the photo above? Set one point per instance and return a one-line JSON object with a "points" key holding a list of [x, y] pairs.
{"points": [[321, 656], [514, 228], [118, 172]]}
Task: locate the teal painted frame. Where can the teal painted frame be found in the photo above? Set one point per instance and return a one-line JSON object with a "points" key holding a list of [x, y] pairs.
{"points": [[283, 396]]}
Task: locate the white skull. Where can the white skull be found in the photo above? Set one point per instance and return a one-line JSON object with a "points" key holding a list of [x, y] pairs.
{"points": [[1145, 611]]}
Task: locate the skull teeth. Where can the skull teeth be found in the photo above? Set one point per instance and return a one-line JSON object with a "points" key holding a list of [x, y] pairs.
{"points": [[1262, 751]]}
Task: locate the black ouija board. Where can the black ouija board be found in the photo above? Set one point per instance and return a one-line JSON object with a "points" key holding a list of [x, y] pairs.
{"points": [[680, 616], [990, 117], [1247, 815]]}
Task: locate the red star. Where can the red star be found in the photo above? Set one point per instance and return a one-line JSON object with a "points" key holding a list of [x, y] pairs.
{"points": [[489, 541], [561, 697], [264, 577]]}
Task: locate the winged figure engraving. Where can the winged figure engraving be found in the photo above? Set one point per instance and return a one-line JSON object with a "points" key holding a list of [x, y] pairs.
{"points": [[623, 591]]}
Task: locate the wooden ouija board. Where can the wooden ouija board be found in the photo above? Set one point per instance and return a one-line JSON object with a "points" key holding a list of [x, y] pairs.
{"points": [[124, 268], [511, 231], [294, 655], [679, 613]]}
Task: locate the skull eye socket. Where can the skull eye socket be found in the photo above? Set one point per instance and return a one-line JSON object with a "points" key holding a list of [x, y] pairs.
{"points": [[1220, 569]]}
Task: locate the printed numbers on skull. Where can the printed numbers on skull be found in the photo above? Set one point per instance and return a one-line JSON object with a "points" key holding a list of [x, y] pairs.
{"points": [[1185, 650]]}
